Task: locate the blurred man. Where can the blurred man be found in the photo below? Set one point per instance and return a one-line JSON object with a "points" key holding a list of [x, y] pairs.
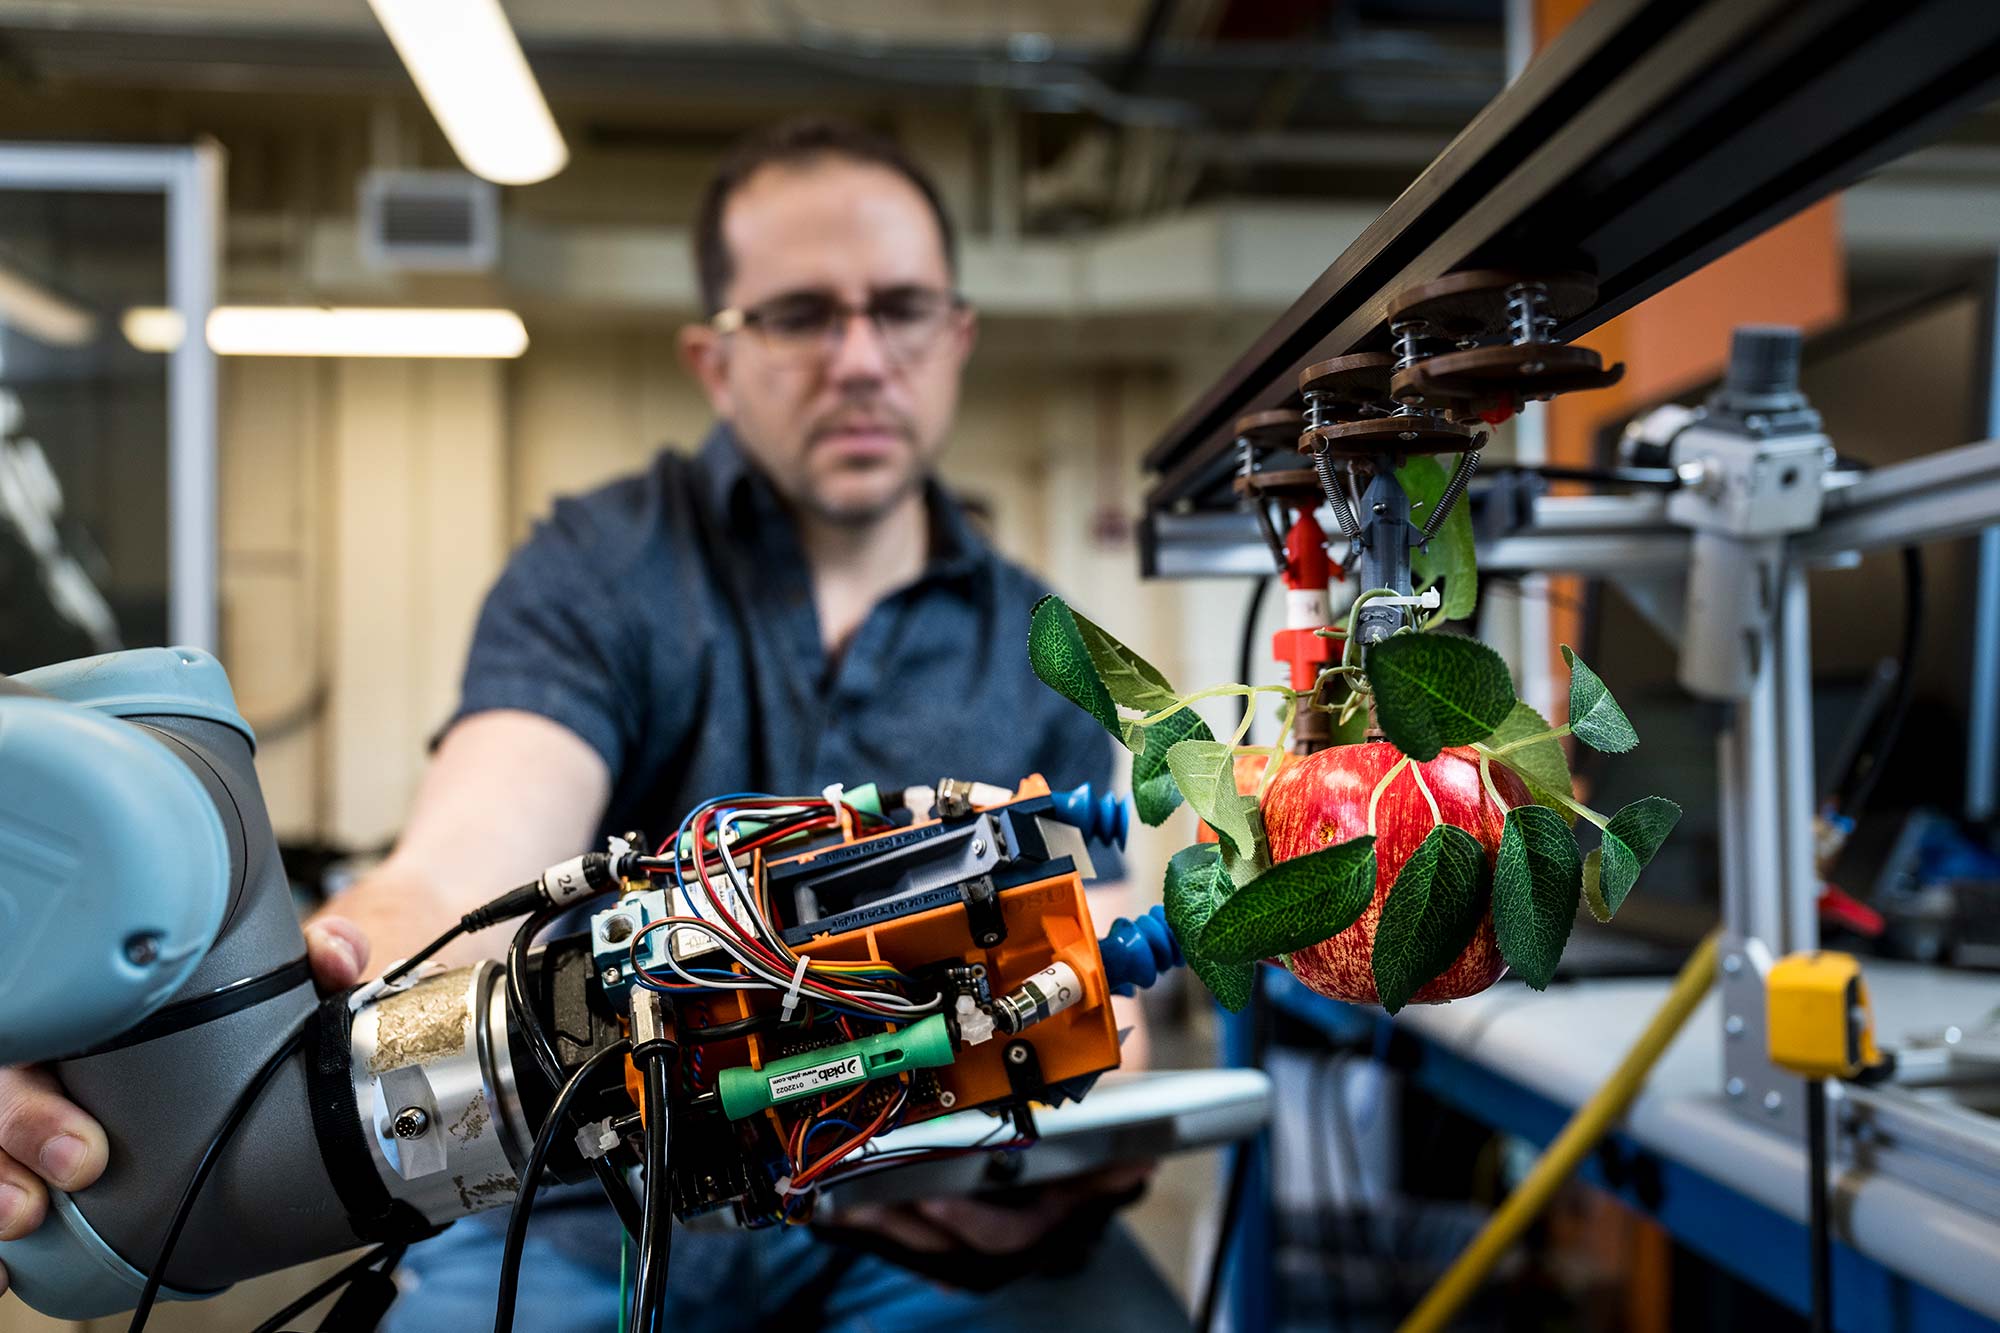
{"points": [[796, 604]]}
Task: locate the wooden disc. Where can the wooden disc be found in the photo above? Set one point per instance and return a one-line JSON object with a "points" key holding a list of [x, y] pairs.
{"points": [[1397, 435], [1296, 485], [1360, 378], [1473, 304], [1502, 375], [1278, 426]]}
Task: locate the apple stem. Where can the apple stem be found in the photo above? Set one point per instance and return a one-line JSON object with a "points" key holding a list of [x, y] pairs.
{"points": [[1375, 797], [1216, 692], [1437, 815], [1553, 733], [1486, 776]]}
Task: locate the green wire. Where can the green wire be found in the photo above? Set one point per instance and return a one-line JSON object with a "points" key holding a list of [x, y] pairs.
{"points": [[624, 1278]]}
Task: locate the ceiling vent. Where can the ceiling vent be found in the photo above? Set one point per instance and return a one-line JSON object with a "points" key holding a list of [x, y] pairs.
{"points": [[429, 221]]}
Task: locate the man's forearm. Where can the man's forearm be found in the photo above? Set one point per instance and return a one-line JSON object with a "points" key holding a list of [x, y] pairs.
{"points": [[401, 910]]}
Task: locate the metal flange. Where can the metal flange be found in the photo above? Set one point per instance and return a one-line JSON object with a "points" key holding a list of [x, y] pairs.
{"points": [[1295, 486], [1278, 426], [1475, 304], [1502, 376], [1345, 386], [1419, 434]]}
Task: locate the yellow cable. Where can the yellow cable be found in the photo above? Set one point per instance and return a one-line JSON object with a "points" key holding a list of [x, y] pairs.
{"points": [[1590, 1123]]}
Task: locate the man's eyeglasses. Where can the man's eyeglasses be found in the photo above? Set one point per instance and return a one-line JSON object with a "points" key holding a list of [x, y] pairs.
{"points": [[908, 321]]}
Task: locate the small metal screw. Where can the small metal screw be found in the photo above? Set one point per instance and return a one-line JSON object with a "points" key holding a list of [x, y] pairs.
{"points": [[979, 847], [410, 1123], [611, 976], [142, 949], [1734, 1087], [1733, 963], [947, 1098], [1017, 1055], [1381, 509], [1773, 1100], [1733, 1025]]}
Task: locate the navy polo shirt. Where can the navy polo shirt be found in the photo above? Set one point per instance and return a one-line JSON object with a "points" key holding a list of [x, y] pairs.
{"points": [[667, 619]]}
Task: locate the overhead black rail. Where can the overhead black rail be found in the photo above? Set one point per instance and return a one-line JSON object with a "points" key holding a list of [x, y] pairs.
{"points": [[1651, 137]]}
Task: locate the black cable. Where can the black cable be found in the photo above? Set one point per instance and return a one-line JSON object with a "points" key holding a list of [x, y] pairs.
{"points": [[657, 1232], [1858, 782], [740, 1027], [1247, 647], [1817, 1210], [212, 1155], [393, 1254], [422, 956], [531, 1179], [1232, 1206], [521, 1010], [1334, 1075]]}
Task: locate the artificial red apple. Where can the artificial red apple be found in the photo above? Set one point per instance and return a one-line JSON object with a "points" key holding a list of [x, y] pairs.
{"points": [[1323, 799]]}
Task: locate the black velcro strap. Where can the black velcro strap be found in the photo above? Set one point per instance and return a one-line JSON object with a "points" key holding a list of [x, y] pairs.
{"points": [[373, 1213]]}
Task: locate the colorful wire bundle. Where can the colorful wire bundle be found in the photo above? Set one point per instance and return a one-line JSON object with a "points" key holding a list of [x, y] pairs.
{"points": [[763, 961]]}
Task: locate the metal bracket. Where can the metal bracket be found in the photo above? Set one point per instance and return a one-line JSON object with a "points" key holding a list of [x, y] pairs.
{"points": [[399, 1091], [982, 911], [1024, 1076], [1753, 1086]]}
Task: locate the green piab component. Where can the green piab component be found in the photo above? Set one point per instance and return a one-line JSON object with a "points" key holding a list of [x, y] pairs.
{"points": [[746, 1091]]}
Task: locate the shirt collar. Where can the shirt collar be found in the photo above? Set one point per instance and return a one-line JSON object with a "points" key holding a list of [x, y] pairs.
{"points": [[956, 548]]}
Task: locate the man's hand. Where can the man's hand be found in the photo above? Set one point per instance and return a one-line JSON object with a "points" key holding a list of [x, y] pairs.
{"points": [[45, 1138], [968, 1237]]}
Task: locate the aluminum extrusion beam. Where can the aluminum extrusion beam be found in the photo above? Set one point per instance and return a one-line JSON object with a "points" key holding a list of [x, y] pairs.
{"points": [[1651, 137], [1953, 493]]}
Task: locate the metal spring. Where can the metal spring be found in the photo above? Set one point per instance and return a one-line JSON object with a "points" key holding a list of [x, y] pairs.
{"points": [[1315, 410], [1408, 334], [1336, 496], [1528, 317], [1461, 477]]}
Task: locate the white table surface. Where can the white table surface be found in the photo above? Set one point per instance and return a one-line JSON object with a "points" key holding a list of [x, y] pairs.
{"points": [[1564, 1042]]}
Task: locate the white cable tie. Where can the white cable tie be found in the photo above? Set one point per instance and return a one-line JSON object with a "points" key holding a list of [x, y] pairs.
{"points": [[834, 793], [1430, 600], [362, 996], [792, 991], [784, 1188]]}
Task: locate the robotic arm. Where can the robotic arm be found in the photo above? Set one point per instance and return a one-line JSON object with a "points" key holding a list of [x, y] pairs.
{"points": [[780, 982]]}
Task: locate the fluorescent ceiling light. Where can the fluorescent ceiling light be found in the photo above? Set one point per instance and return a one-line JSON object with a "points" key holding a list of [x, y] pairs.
{"points": [[468, 65], [33, 309], [250, 330], [153, 328]]}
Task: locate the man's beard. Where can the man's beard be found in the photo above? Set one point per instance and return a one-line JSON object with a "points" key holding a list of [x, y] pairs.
{"points": [[860, 512]]}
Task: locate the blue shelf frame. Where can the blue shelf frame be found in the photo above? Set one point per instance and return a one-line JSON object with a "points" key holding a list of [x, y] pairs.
{"points": [[1739, 1235]]}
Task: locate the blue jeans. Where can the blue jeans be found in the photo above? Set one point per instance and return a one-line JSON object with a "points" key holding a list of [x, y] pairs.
{"points": [[724, 1281]]}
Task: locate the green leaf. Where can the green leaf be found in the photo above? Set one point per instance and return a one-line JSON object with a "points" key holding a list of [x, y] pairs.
{"points": [[1630, 839], [1536, 881], [1294, 904], [1059, 656], [1594, 716], [1154, 792], [1542, 767], [1434, 690], [1128, 678], [1195, 887], [1449, 559], [1205, 771], [1434, 908]]}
